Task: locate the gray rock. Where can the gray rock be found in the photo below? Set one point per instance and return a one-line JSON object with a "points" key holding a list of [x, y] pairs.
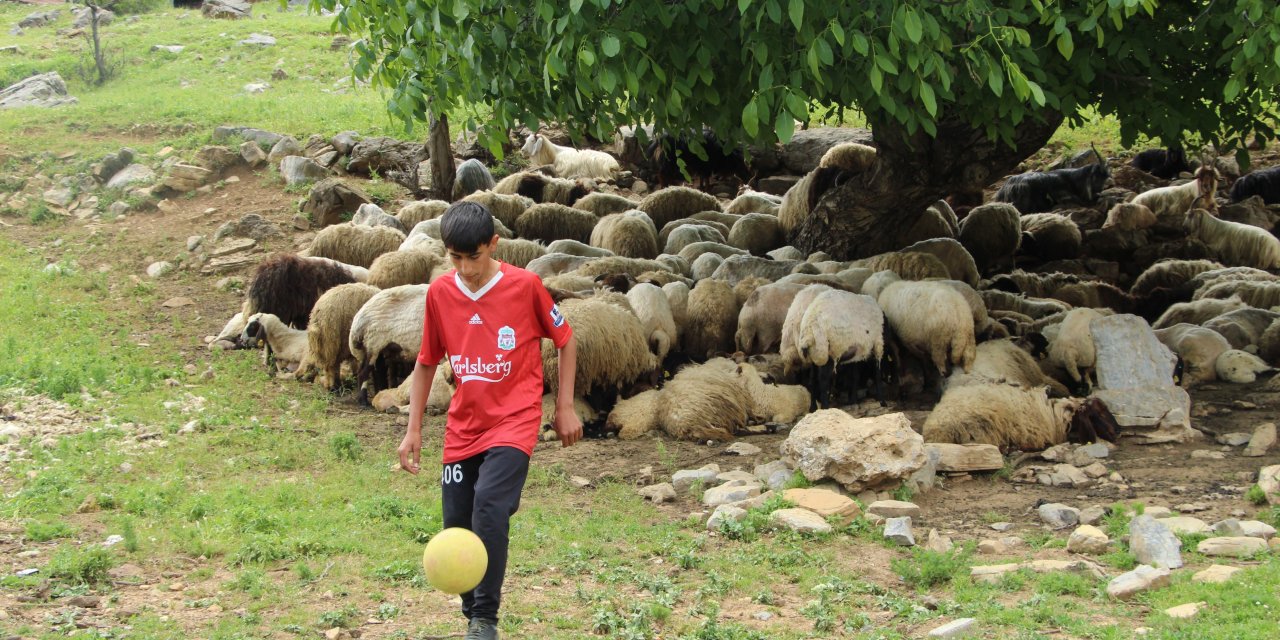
{"points": [[1092, 515], [284, 147], [800, 520], [216, 158], [111, 163], [736, 474], [194, 242], [1142, 578], [119, 208], [894, 509], [61, 197], [171, 48], [856, 452], [1097, 450], [226, 134], [683, 479], [1235, 439], [298, 170], [372, 215], [960, 628], [1257, 529], [250, 225], [159, 269], [345, 141], [1264, 437], [131, 175], [955, 458], [1088, 539], [1002, 526], [661, 492], [801, 154], [38, 19], [763, 472], [384, 154], [258, 39], [1059, 516], [1230, 528], [742, 449], [44, 90], [252, 154], [725, 513], [937, 542], [734, 491], [226, 9], [1236, 547], [330, 200], [1185, 524], [1153, 543], [1064, 475], [85, 16], [899, 531], [1269, 482], [1135, 380]]}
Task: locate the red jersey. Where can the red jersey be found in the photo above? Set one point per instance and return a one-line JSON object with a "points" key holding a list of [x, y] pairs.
{"points": [[494, 341]]}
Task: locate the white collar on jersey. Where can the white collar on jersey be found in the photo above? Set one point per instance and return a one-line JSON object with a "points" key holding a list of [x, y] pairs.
{"points": [[457, 279]]}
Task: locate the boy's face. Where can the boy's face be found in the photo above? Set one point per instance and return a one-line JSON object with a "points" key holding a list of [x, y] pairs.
{"points": [[475, 267]]}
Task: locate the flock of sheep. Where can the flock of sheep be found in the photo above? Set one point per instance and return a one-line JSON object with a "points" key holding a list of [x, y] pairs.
{"points": [[694, 317]]}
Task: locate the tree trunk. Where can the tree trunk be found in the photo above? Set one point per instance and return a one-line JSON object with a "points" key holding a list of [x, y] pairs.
{"points": [[97, 46], [442, 169], [871, 212]]}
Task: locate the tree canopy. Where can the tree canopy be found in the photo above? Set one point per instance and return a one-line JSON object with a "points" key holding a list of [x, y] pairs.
{"points": [[750, 68]]}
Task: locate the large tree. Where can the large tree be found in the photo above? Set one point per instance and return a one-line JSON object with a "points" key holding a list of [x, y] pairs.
{"points": [[957, 92]]}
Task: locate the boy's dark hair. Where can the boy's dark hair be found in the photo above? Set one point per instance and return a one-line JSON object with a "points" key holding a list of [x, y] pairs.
{"points": [[465, 226]]}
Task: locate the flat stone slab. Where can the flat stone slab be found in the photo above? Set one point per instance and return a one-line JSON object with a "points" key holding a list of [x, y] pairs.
{"points": [[893, 509], [228, 263], [1237, 547], [1184, 611], [661, 492], [734, 491], [1088, 539], [1059, 516], [683, 479], [955, 629], [899, 531], [801, 520], [1216, 574], [725, 513], [956, 458], [1186, 524], [1143, 578], [825, 503]]}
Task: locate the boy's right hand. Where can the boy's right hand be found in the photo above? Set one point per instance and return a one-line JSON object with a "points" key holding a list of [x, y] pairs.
{"points": [[410, 450]]}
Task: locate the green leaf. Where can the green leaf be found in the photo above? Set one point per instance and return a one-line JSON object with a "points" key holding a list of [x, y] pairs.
{"points": [[887, 64], [860, 43], [610, 46], [785, 126], [795, 9], [1277, 55], [837, 32], [639, 39], [812, 59], [1037, 93], [877, 79], [742, 6], [995, 78], [575, 6], [795, 104], [911, 22], [608, 80], [775, 11], [1065, 45], [766, 78], [1232, 89], [824, 52], [586, 56], [929, 100], [750, 119], [500, 37]]}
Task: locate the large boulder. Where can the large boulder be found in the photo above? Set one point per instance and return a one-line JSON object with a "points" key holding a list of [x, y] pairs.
{"points": [[44, 90], [111, 163], [859, 453], [227, 133], [38, 19], [250, 225], [330, 199], [132, 175], [226, 9], [85, 16], [801, 154], [1135, 381], [216, 158], [297, 170], [383, 154]]}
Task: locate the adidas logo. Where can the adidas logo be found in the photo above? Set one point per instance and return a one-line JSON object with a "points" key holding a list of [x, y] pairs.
{"points": [[476, 319]]}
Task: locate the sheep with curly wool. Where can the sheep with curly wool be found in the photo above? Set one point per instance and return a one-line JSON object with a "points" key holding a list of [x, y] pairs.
{"points": [[675, 264], [960, 265], [674, 203], [1169, 274], [992, 234], [705, 265], [651, 306], [329, 332], [1049, 236], [471, 176], [1004, 362], [617, 264], [575, 248], [355, 244], [1240, 367], [720, 217], [413, 266], [229, 337], [414, 212], [932, 321], [283, 346], [1012, 417], [549, 222], [371, 215], [603, 204], [631, 234], [359, 274], [1203, 282], [788, 337], [1098, 295], [554, 264], [567, 161], [693, 251], [841, 328], [907, 265], [746, 287], [1198, 348], [612, 345], [1234, 243], [1242, 327], [1176, 201], [506, 208], [1129, 216], [518, 251], [386, 336], [1197, 312], [754, 202], [757, 233], [438, 400], [712, 319], [761, 317], [287, 286]]}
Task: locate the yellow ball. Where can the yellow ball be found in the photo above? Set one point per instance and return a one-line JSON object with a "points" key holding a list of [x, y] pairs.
{"points": [[455, 560]]}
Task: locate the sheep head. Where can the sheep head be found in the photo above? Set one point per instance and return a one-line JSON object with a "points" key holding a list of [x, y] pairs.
{"points": [[1092, 421]]}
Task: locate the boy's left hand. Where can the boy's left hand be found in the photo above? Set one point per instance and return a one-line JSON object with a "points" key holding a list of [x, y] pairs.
{"points": [[568, 427]]}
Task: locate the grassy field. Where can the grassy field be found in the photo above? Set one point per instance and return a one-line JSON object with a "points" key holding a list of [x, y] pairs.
{"points": [[248, 508]]}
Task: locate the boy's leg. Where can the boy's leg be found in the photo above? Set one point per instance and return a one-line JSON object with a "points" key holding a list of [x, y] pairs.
{"points": [[457, 498], [496, 498]]}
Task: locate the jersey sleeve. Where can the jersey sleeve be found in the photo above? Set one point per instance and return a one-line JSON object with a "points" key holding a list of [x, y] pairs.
{"points": [[432, 341], [552, 322]]}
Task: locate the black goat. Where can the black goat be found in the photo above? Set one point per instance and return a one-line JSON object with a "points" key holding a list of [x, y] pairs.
{"points": [[1162, 163], [1040, 191], [668, 151], [1264, 183]]}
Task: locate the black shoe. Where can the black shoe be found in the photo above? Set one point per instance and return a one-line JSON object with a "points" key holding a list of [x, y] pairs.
{"points": [[482, 629]]}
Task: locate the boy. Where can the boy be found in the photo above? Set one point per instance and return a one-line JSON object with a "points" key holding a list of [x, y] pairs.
{"points": [[490, 318]]}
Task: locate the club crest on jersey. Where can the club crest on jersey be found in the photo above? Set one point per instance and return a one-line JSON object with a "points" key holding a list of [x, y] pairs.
{"points": [[556, 318], [506, 338]]}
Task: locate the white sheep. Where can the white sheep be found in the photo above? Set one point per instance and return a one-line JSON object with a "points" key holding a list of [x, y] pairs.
{"points": [[1003, 415], [790, 334], [1234, 243], [841, 328], [567, 161], [631, 234], [1004, 362], [1073, 348], [1199, 349], [933, 321], [651, 306], [1240, 367], [1167, 202], [1197, 312], [386, 336], [284, 347], [761, 318]]}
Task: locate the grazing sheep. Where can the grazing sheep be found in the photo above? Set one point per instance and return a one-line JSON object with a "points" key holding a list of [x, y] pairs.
{"points": [[1004, 362], [386, 336], [471, 176], [1240, 367], [414, 212], [674, 203], [1039, 285], [653, 309], [1049, 237], [1165, 164], [702, 402], [603, 204], [1234, 243], [570, 162], [908, 266], [329, 331], [678, 299], [850, 156], [544, 189], [1171, 202], [1207, 280], [355, 244], [687, 234], [1264, 183], [761, 317], [786, 253], [284, 346], [992, 234], [693, 251], [960, 265], [1073, 349], [757, 233], [426, 236], [661, 278], [575, 248], [1197, 312], [1037, 192], [737, 268], [569, 282], [727, 220], [1011, 417], [712, 319], [1032, 307], [617, 265], [288, 286], [787, 348], [1242, 327], [850, 279], [932, 321], [403, 267], [1198, 348], [1169, 274], [554, 264], [506, 208], [983, 326], [664, 235], [613, 348], [841, 328], [1099, 295], [518, 251], [675, 264], [549, 222], [631, 234], [1129, 216], [371, 215], [229, 338], [1260, 295], [754, 202]]}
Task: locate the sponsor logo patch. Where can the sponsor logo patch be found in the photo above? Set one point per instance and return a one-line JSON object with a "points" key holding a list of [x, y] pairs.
{"points": [[556, 318], [506, 338]]}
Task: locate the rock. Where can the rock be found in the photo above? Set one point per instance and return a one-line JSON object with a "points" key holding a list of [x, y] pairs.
{"points": [[298, 170], [226, 9], [234, 283], [992, 548], [1207, 454], [1269, 482], [893, 509], [171, 48], [252, 153], [284, 147], [1257, 529], [265, 138], [1229, 528], [1191, 507], [1236, 546], [300, 222], [1142, 578], [899, 531], [966, 457], [725, 513], [683, 479], [335, 633], [84, 602], [384, 154], [937, 542], [800, 520], [1153, 543], [991, 574], [159, 269], [1216, 574], [250, 225], [1063, 475], [1135, 373], [1095, 470], [1002, 526], [742, 449], [736, 474], [579, 482], [256, 87], [216, 158], [330, 199], [659, 493], [1264, 437], [1059, 516], [1184, 611], [259, 40], [1097, 450], [1185, 524], [186, 177], [1157, 512], [1092, 515], [345, 141], [180, 301], [1088, 539], [734, 491], [131, 175], [825, 503], [84, 18], [60, 197], [857, 453], [38, 19], [955, 629], [1233, 439], [801, 154], [776, 185]]}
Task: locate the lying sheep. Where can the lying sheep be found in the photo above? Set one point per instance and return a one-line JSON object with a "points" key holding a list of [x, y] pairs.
{"points": [[992, 234], [1171, 202], [549, 222], [1240, 367], [737, 268], [712, 320], [355, 244], [1234, 243], [506, 208], [386, 336], [674, 203], [518, 251], [570, 162], [1203, 282], [1012, 417], [1260, 295], [1197, 312], [288, 286], [1050, 236], [631, 234], [1264, 183], [1032, 307], [761, 317], [471, 176], [1243, 327], [283, 346], [437, 401], [603, 204], [1004, 362], [850, 156], [1169, 274], [229, 337], [960, 265], [329, 332], [693, 251], [1129, 216], [754, 202], [414, 212], [664, 234], [1036, 192], [1198, 348], [403, 267], [687, 234], [575, 248]]}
